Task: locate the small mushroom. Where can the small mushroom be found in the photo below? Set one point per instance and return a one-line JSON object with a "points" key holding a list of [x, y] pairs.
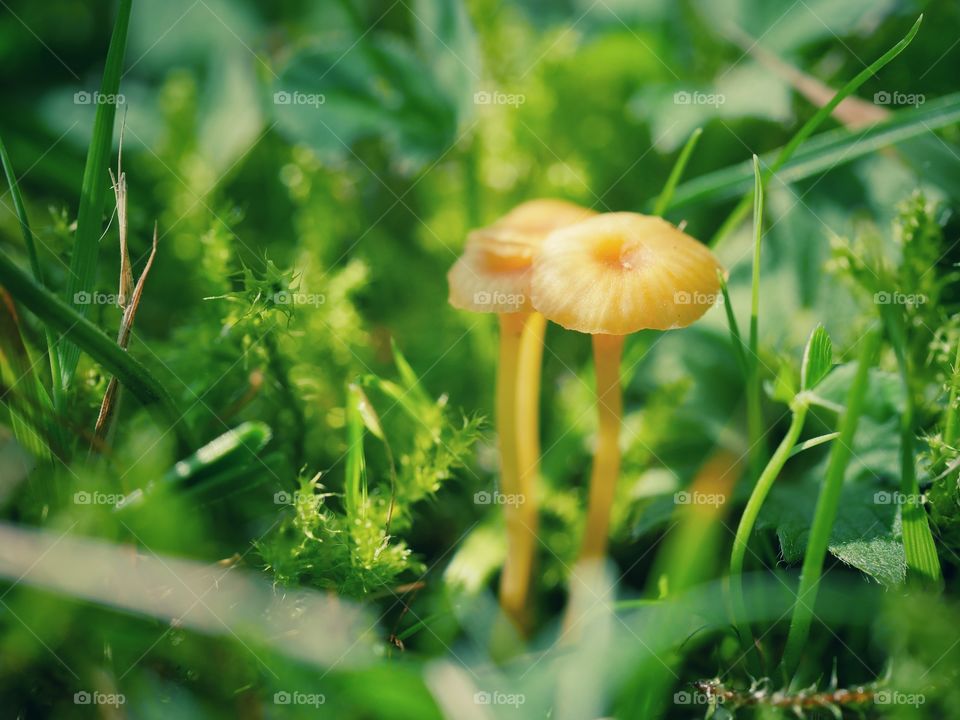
{"points": [[609, 276], [493, 275]]}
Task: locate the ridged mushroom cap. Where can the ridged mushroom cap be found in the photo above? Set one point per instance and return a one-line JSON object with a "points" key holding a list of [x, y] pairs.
{"points": [[618, 273], [493, 274]]}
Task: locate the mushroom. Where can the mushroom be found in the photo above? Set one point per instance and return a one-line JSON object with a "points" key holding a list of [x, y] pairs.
{"points": [[493, 275], [609, 276]]}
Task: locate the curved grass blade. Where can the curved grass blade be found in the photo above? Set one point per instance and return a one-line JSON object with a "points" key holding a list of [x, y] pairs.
{"points": [[826, 511], [61, 317], [824, 152], [93, 192], [812, 124], [225, 454], [56, 386], [666, 195], [754, 397]]}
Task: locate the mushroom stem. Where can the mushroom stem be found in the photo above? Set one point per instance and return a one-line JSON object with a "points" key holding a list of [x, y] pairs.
{"points": [[515, 578], [529, 362], [607, 350]]}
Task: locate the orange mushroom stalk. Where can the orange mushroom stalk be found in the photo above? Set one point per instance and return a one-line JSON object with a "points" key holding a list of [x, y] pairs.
{"points": [[609, 276], [493, 275]]}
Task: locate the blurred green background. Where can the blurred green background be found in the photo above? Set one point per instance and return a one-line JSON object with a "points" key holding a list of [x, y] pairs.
{"points": [[341, 151]]}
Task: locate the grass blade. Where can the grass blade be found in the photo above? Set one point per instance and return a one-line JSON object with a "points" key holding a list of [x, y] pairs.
{"points": [[754, 409], [827, 151], [826, 510], [56, 387], [93, 192], [64, 319], [666, 195], [735, 338], [16, 369], [923, 565], [788, 150]]}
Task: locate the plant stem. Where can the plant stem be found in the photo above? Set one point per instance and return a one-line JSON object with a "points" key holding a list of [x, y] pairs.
{"points": [[63, 318], [514, 580], [826, 510], [754, 397], [923, 564], [950, 425], [750, 513], [607, 350]]}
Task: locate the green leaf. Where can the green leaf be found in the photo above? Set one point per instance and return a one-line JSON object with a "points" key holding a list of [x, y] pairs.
{"points": [[93, 191], [411, 95], [866, 535], [87, 336], [817, 359], [827, 151]]}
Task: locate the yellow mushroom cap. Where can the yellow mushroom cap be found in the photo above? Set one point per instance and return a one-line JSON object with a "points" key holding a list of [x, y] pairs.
{"points": [[493, 275], [618, 273]]}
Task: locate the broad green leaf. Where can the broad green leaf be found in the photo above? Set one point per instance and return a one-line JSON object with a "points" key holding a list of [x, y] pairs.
{"points": [[411, 95], [817, 358]]}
